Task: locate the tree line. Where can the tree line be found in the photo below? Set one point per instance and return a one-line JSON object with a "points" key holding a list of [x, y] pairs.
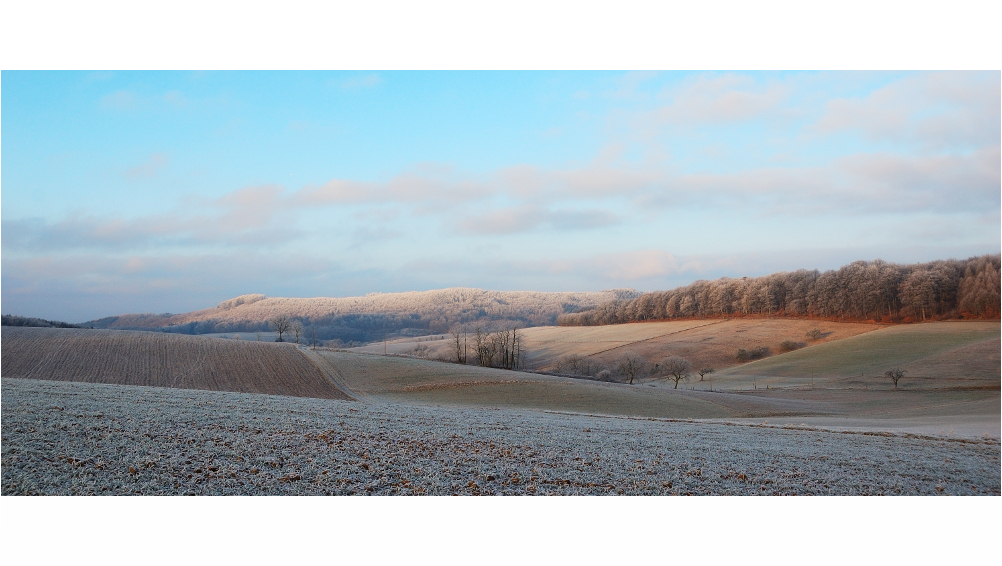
{"points": [[861, 291], [500, 348], [15, 320]]}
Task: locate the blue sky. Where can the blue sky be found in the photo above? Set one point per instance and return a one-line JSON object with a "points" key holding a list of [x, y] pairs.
{"points": [[172, 191]]}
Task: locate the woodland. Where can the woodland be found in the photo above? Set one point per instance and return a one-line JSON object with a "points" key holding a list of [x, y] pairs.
{"points": [[876, 291]]}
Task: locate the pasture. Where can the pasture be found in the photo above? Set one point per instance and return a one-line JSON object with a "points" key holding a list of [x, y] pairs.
{"points": [[934, 354], [707, 343], [404, 380]]}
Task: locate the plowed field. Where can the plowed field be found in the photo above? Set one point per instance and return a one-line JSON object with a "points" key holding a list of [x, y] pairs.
{"points": [[162, 360]]}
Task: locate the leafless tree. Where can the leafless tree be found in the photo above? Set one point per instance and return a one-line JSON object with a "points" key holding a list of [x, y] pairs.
{"points": [[459, 336], [704, 371], [677, 368], [297, 328], [630, 365], [501, 348], [569, 364], [484, 347], [281, 325], [895, 374]]}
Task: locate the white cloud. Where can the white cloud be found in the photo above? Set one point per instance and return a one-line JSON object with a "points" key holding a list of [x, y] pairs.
{"points": [[120, 100], [715, 99], [933, 110], [357, 83], [148, 169]]}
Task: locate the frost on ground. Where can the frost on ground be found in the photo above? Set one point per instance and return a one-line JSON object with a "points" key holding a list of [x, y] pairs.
{"points": [[75, 438]]}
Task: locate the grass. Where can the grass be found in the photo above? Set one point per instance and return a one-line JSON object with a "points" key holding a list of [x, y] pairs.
{"points": [[953, 347], [427, 382], [707, 343]]}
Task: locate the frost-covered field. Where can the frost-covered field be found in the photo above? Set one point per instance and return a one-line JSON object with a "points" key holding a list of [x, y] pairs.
{"points": [[76, 438]]}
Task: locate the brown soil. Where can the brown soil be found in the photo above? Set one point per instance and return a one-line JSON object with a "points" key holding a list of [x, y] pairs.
{"points": [[163, 360]]}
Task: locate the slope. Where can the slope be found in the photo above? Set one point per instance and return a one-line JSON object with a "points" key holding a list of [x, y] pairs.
{"points": [[162, 360], [406, 380], [936, 354]]}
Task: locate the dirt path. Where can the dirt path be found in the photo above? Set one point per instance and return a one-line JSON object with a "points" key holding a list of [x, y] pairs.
{"points": [[331, 371]]}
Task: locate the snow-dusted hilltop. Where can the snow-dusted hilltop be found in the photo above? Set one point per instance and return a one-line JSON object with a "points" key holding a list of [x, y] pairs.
{"points": [[359, 319]]}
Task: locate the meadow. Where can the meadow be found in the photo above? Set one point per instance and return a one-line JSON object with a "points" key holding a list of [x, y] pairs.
{"points": [[706, 343], [935, 354]]}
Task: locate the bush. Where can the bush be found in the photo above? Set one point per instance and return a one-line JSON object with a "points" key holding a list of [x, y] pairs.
{"points": [[604, 375], [790, 345], [815, 334], [753, 354]]}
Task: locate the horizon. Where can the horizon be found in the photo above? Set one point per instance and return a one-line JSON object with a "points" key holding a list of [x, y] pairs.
{"points": [[371, 293], [169, 191]]}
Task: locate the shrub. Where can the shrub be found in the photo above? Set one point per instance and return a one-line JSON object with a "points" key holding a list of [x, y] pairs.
{"points": [[753, 354], [604, 375], [790, 345], [815, 334]]}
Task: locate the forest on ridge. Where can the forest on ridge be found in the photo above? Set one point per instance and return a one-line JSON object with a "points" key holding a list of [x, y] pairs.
{"points": [[876, 291]]}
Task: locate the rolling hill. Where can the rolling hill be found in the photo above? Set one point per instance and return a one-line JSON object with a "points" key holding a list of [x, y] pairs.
{"points": [[707, 343], [163, 360], [935, 355], [369, 318]]}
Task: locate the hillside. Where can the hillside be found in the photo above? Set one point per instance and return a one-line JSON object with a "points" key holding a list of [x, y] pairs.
{"points": [[706, 343], [162, 360], [934, 355], [876, 291], [369, 318], [403, 380]]}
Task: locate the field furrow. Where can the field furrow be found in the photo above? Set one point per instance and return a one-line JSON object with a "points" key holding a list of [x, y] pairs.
{"points": [[162, 360]]}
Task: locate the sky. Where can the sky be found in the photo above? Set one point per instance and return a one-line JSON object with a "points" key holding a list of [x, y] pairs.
{"points": [[172, 191]]}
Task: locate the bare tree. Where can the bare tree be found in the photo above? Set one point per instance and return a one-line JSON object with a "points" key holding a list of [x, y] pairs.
{"points": [[895, 374], [459, 336], [281, 324], [568, 364], [297, 328], [630, 365], [704, 371], [677, 368], [484, 346]]}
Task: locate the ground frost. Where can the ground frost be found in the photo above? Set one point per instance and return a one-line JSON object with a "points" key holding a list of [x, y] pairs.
{"points": [[72, 438]]}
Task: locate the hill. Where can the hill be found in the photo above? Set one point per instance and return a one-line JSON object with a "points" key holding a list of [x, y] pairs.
{"points": [[875, 291], [424, 382], [162, 360], [15, 320], [707, 343], [369, 318], [934, 355]]}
